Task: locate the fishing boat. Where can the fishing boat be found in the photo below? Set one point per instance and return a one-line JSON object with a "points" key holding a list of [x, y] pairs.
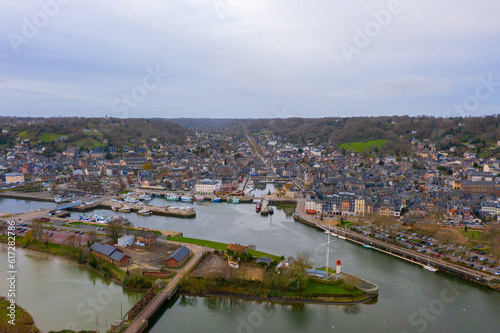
{"points": [[428, 267], [216, 199], [186, 198], [235, 200], [144, 211], [172, 197], [131, 200], [199, 198], [145, 197], [258, 207], [115, 207], [124, 209]]}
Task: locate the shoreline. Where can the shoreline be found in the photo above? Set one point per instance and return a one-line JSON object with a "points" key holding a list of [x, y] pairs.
{"points": [[285, 300], [77, 264]]}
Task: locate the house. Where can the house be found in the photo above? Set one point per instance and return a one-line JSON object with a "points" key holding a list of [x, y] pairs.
{"points": [[13, 177], [238, 248], [146, 237], [285, 266], [110, 254], [265, 260], [179, 257]]}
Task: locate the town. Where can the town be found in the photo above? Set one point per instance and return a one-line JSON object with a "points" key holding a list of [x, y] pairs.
{"points": [[432, 207]]}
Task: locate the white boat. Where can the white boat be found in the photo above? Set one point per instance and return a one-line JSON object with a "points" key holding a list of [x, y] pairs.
{"points": [[341, 237], [235, 200], [428, 267], [172, 197], [131, 200], [145, 197], [115, 208], [186, 198], [199, 198]]}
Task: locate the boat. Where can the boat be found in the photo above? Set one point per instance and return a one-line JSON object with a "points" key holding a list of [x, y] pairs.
{"points": [[131, 200], [144, 211], [258, 207], [124, 209], [199, 198], [255, 201], [115, 208], [366, 246], [186, 198], [428, 267], [145, 197], [172, 197], [216, 199], [341, 236], [235, 200], [271, 211]]}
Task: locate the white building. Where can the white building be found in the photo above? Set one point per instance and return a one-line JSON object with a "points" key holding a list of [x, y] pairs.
{"points": [[126, 240], [207, 186], [314, 205]]}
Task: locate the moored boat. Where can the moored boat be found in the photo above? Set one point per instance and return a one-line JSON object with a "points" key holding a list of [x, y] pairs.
{"points": [[172, 197], [124, 209], [216, 199]]}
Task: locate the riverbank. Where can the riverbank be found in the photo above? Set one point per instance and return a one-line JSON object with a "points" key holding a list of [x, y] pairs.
{"points": [[398, 252], [78, 258], [22, 322], [314, 291]]}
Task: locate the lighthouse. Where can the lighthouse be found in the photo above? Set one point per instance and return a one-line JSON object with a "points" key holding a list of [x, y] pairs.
{"points": [[339, 264]]}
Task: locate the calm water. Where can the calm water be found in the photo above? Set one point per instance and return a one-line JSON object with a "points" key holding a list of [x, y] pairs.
{"points": [[59, 295], [432, 302]]}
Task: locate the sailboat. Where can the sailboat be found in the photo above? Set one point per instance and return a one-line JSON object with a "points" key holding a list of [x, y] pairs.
{"points": [[365, 245], [341, 236], [429, 267]]}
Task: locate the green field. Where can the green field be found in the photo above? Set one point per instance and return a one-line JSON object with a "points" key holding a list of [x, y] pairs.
{"points": [[49, 137], [218, 246], [88, 143], [361, 146]]}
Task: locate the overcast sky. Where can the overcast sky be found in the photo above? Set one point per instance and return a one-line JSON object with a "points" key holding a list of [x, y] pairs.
{"points": [[249, 58]]}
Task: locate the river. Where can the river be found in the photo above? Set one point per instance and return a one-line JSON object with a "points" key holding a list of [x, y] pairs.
{"points": [[410, 298]]}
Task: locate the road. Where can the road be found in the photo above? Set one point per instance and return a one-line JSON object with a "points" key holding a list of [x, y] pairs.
{"points": [[166, 293]]}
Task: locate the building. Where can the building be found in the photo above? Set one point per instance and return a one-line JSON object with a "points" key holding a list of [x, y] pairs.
{"points": [[126, 240], [478, 187], [146, 237], [238, 248], [207, 186], [179, 257], [314, 207], [359, 206], [14, 177], [110, 254]]}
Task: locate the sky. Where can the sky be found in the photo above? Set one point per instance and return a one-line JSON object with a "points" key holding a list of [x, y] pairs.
{"points": [[249, 58]]}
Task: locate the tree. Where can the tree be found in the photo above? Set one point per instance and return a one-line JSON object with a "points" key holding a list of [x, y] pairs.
{"points": [[147, 166], [114, 231], [108, 156], [92, 237]]}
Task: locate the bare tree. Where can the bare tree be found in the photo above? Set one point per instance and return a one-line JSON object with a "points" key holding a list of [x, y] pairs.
{"points": [[114, 231]]}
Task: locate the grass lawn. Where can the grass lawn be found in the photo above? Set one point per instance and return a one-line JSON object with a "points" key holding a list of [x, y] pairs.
{"points": [[23, 319], [218, 246], [49, 137], [474, 235], [314, 289], [361, 146]]}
